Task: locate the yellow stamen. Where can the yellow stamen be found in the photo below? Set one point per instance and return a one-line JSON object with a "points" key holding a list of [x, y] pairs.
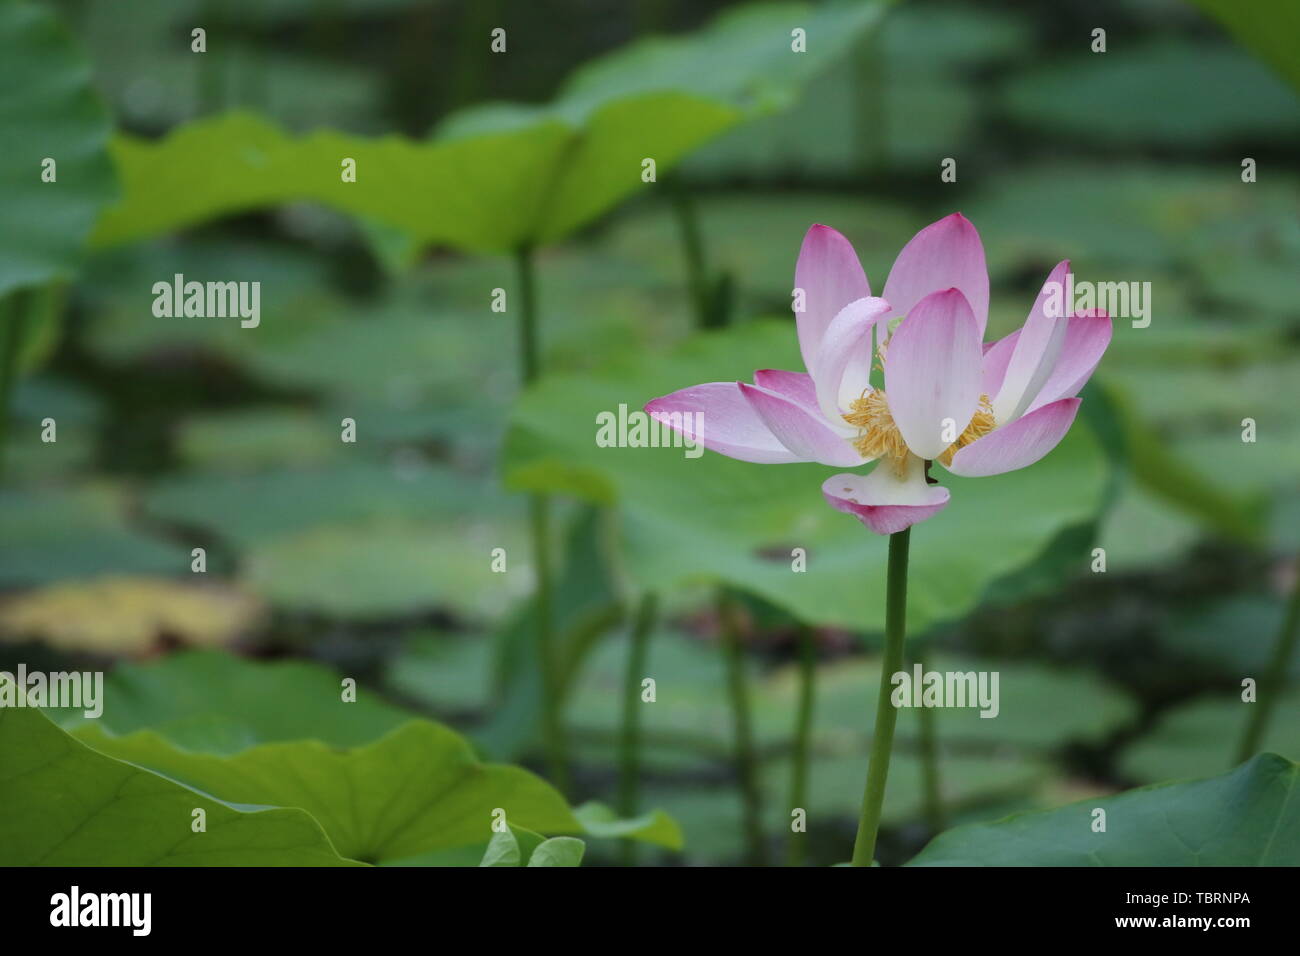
{"points": [[879, 436], [981, 423]]}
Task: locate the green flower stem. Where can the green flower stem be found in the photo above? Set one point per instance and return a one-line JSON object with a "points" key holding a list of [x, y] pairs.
{"points": [[1270, 688], [882, 742], [629, 758], [794, 853], [932, 802], [13, 332], [746, 761], [553, 738]]}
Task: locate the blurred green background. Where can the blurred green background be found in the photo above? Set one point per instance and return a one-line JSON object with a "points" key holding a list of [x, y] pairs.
{"points": [[374, 558]]}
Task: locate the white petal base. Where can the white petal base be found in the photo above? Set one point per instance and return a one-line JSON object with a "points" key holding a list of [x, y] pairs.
{"points": [[882, 500]]}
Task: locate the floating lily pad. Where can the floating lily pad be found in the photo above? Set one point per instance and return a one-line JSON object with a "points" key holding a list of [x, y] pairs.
{"points": [[1170, 93], [379, 569], [1202, 737], [59, 534]]}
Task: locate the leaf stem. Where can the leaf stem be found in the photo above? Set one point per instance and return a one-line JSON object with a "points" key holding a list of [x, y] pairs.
{"points": [[553, 739], [212, 62], [13, 332], [529, 345], [707, 313], [746, 762], [1270, 688], [882, 742], [795, 847], [629, 769]]}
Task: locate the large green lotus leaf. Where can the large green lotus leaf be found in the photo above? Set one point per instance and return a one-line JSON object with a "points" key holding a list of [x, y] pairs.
{"points": [[1249, 817], [715, 519], [214, 702], [1266, 27], [216, 705], [486, 193], [47, 110], [79, 532], [499, 176], [417, 790], [67, 805], [1202, 737], [1169, 93]]}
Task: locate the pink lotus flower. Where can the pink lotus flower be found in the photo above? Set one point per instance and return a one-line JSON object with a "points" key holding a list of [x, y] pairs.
{"points": [[978, 410]]}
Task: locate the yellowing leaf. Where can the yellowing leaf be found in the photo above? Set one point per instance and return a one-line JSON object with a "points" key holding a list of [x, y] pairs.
{"points": [[127, 615]]}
